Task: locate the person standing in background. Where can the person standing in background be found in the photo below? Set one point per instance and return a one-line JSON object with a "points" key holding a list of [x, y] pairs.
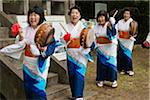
{"points": [[127, 30], [106, 49]]}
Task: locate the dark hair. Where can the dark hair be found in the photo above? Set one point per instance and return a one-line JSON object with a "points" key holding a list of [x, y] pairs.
{"points": [[39, 11], [126, 9], [75, 7], [102, 13]]}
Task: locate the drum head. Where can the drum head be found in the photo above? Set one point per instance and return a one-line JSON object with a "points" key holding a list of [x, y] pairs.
{"points": [[44, 34], [90, 38]]}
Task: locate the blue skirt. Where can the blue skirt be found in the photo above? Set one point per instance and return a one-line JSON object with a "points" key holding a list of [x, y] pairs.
{"points": [[76, 79], [34, 88], [105, 69]]}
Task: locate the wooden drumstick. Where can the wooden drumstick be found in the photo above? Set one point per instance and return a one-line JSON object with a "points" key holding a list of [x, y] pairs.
{"points": [[63, 27], [66, 32], [115, 13]]}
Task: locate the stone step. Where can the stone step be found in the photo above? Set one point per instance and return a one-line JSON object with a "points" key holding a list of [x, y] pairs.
{"points": [[88, 95], [6, 41], [59, 67], [64, 95], [52, 79], [56, 91], [4, 32]]}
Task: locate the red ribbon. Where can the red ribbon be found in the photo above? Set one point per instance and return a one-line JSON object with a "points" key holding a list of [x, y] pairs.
{"points": [[15, 29], [67, 37]]}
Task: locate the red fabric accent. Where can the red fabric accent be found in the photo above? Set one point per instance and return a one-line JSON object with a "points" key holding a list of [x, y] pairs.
{"points": [[103, 40], [67, 37], [146, 44], [74, 43], [124, 34], [77, 45], [15, 29], [28, 52]]}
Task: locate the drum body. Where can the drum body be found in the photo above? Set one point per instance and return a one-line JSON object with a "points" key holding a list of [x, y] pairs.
{"points": [[44, 35]]}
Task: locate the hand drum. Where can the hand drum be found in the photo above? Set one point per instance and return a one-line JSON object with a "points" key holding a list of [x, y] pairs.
{"points": [[44, 35], [83, 37], [133, 28]]}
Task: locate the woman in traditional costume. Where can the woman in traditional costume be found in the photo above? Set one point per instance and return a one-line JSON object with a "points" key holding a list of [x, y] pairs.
{"points": [[36, 58], [77, 55], [106, 49], [127, 29]]}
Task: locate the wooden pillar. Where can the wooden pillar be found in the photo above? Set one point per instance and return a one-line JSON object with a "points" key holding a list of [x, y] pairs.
{"points": [[26, 6], [48, 7], [71, 3], [1, 5], [66, 3]]}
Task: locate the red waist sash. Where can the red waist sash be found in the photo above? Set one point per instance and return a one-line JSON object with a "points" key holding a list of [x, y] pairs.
{"points": [[74, 43], [124, 34], [103, 40], [28, 51]]}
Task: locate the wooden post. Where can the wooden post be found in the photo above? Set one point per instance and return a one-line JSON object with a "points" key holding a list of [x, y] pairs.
{"points": [[48, 7], [1, 5], [26, 6], [66, 4], [71, 3]]}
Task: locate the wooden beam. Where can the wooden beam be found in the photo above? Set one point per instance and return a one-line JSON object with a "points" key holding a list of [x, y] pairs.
{"points": [[71, 3], [26, 6], [1, 5], [48, 7], [66, 4]]}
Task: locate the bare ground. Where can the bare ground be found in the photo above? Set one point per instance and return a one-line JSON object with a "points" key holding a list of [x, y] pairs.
{"points": [[129, 87]]}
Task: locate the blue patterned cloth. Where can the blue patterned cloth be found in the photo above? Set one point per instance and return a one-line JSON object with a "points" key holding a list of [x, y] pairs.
{"points": [[76, 73], [35, 82], [106, 57]]}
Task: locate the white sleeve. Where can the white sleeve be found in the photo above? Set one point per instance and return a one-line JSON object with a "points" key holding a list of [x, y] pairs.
{"points": [[14, 50], [148, 37], [112, 20], [116, 27], [17, 39]]}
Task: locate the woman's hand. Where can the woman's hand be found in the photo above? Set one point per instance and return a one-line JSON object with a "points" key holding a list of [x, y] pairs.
{"points": [[112, 20], [67, 37], [20, 33], [41, 48], [17, 30]]}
